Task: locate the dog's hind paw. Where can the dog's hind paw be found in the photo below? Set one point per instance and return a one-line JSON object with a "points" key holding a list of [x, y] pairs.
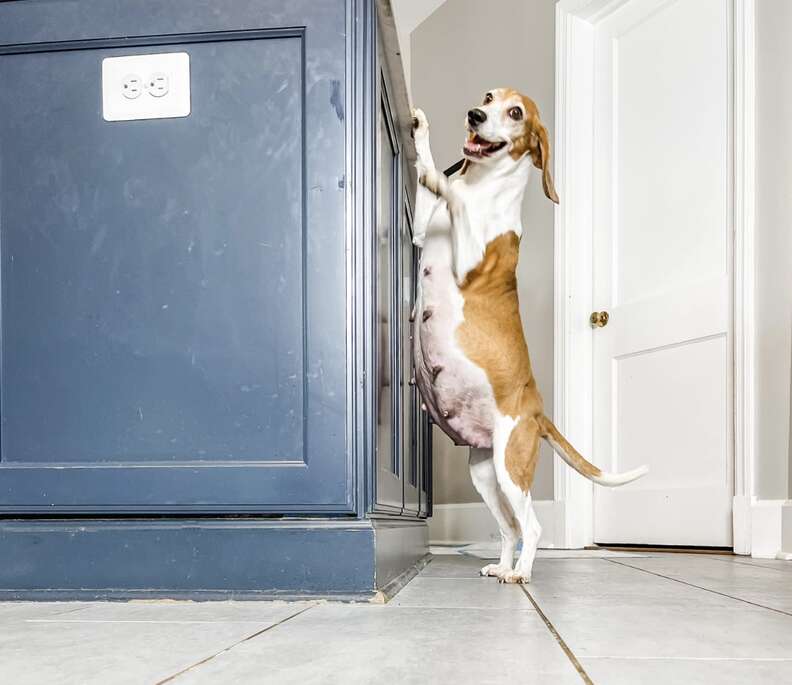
{"points": [[514, 577]]}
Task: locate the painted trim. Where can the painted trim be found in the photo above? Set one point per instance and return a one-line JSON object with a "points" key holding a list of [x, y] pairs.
{"points": [[573, 272], [744, 263], [355, 302], [187, 559], [575, 21], [469, 523], [771, 529]]}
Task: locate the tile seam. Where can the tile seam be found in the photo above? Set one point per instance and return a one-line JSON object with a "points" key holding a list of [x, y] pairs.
{"points": [[701, 587], [173, 677], [564, 647]]}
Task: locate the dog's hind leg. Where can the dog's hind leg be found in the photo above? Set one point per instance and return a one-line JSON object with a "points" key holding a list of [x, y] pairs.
{"points": [[516, 449], [485, 480]]}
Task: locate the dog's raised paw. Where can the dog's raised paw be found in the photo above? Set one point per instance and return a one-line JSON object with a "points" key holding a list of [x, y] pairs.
{"points": [[420, 126]]}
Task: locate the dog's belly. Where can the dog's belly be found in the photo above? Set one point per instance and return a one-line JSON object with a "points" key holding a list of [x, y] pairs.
{"points": [[457, 392]]}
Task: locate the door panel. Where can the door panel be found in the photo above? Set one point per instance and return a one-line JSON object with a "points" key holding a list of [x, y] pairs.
{"points": [[127, 302], [390, 488], [409, 391], [670, 127], [400, 448], [661, 230], [173, 299]]}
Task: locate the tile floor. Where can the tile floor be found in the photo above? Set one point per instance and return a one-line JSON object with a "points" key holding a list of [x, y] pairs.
{"points": [[597, 617]]}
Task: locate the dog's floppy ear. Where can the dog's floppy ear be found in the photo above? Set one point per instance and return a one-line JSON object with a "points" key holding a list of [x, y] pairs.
{"points": [[540, 154]]}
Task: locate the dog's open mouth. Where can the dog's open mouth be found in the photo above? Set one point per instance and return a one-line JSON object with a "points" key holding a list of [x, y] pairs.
{"points": [[479, 147]]}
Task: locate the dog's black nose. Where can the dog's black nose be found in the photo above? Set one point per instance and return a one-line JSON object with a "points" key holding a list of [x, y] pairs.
{"points": [[476, 116]]}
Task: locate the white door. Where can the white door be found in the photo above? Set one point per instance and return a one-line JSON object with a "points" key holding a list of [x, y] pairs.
{"points": [[661, 270]]}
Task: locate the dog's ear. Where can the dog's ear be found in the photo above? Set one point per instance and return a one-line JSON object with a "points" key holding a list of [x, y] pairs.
{"points": [[540, 155]]}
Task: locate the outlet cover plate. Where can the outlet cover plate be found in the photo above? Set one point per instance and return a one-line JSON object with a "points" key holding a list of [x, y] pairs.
{"points": [[116, 74]]}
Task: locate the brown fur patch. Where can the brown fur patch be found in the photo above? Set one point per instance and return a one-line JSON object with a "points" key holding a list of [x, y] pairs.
{"points": [[535, 142], [556, 438], [492, 337], [522, 453]]}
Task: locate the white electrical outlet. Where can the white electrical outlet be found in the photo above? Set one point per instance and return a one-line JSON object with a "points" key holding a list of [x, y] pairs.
{"points": [[132, 86], [146, 86], [158, 85]]}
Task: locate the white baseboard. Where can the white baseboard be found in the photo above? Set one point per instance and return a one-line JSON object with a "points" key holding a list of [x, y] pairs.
{"points": [[741, 524], [771, 529], [763, 528], [463, 524]]}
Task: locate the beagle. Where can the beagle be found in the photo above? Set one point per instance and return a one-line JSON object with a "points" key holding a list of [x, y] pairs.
{"points": [[471, 359]]}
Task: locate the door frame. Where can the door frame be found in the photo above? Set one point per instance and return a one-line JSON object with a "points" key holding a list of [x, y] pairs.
{"points": [[573, 340]]}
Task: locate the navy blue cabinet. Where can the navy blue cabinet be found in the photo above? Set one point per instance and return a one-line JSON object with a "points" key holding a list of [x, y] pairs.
{"points": [[207, 315]]}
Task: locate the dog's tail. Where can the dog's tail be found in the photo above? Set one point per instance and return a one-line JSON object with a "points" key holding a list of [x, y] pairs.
{"points": [[572, 457]]}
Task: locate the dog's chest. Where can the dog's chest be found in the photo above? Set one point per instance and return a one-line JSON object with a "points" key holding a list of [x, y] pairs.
{"points": [[456, 391]]}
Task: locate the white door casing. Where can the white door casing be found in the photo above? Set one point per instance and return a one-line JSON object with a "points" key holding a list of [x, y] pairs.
{"points": [[651, 230]]}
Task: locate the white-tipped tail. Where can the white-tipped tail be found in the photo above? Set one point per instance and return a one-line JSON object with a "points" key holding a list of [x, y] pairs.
{"points": [[613, 480], [585, 468]]}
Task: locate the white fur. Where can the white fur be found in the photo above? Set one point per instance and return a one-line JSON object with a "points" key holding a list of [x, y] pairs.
{"points": [[520, 502], [454, 227], [485, 480], [459, 397], [454, 222]]}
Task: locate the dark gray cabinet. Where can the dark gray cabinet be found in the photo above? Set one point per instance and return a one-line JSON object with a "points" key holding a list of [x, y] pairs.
{"points": [[206, 317]]}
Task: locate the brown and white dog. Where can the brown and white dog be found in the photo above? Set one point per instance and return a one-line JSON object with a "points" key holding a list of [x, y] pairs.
{"points": [[471, 359]]}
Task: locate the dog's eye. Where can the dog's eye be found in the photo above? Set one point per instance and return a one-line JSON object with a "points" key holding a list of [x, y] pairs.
{"points": [[515, 113], [487, 98]]}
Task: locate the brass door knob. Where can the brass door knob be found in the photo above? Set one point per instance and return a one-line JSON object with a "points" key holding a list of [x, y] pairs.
{"points": [[599, 319]]}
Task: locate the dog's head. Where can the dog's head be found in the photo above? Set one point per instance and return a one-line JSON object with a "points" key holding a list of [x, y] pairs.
{"points": [[505, 128]]}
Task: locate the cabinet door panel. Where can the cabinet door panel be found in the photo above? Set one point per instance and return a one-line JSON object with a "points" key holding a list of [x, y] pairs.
{"points": [[173, 294]]}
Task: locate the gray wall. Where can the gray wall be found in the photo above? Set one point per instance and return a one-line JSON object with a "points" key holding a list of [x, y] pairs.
{"points": [[449, 74], [457, 54], [774, 248]]}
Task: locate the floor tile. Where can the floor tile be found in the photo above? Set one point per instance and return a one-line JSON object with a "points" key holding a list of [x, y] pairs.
{"points": [[20, 611], [569, 580], [687, 672], [776, 564], [752, 583], [591, 629], [182, 612], [615, 612], [452, 567], [365, 644], [460, 593], [72, 652]]}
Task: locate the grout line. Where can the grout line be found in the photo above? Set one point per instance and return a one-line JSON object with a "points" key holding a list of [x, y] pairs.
{"points": [[701, 587], [749, 565], [170, 678], [570, 655]]}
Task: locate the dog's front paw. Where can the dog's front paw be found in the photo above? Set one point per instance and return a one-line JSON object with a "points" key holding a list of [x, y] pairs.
{"points": [[420, 126], [495, 570], [514, 577]]}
